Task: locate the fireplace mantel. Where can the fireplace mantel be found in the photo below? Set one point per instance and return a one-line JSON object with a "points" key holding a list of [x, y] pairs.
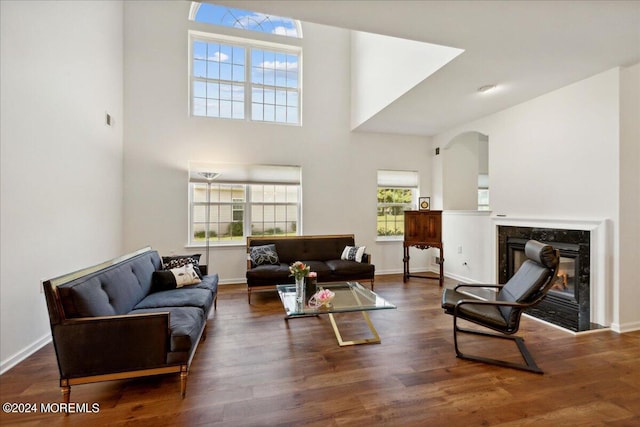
{"points": [[601, 250]]}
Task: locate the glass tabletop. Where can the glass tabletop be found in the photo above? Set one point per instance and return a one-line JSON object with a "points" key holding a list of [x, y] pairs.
{"points": [[349, 296]]}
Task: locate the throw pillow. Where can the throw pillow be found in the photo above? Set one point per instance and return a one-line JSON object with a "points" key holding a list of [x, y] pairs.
{"points": [[164, 280], [175, 261], [265, 254], [185, 275], [353, 253]]}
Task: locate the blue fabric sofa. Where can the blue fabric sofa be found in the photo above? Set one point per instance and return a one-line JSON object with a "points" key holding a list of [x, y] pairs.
{"points": [[109, 322]]}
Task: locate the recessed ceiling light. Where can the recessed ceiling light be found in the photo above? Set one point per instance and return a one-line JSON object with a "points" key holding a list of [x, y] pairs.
{"points": [[486, 88]]}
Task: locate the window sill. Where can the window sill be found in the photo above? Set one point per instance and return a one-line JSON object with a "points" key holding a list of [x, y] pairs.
{"points": [[394, 239], [216, 245]]}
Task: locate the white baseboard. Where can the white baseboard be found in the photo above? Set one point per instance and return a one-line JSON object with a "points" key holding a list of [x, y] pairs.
{"points": [[238, 281], [385, 272], [461, 279], [625, 327], [23, 354]]}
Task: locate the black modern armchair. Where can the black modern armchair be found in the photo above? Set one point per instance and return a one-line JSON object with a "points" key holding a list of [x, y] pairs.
{"points": [[526, 288]]}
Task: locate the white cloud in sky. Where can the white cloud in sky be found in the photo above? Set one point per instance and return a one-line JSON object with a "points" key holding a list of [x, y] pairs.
{"points": [[284, 31], [219, 56], [262, 22], [279, 65]]}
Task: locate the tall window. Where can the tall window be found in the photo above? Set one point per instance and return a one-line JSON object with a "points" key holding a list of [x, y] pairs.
{"points": [[239, 209], [397, 192], [244, 78]]}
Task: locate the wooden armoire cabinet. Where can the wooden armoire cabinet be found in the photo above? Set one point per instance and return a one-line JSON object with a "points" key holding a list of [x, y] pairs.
{"points": [[423, 230]]}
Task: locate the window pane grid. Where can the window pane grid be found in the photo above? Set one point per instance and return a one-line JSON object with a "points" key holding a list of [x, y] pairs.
{"points": [[274, 89], [218, 80], [274, 210], [392, 202], [267, 209]]}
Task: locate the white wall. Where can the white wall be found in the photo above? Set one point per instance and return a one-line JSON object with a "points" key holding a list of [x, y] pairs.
{"points": [[465, 236], [629, 198], [61, 204], [461, 166], [384, 68], [338, 167], [558, 156]]}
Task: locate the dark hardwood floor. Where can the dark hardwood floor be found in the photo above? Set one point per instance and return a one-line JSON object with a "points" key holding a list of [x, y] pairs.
{"points": [[256, 369]]}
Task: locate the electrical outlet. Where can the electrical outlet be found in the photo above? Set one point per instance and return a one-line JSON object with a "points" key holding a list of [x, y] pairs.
{"points": [[459, 249], [41, 287], [437, 260]]}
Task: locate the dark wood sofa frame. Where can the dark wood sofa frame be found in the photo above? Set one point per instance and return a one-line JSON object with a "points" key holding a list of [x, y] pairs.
{"points": [[112, 347]]}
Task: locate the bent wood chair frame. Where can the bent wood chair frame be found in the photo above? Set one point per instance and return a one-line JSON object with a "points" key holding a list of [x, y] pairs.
{"points": [[529, 362]]}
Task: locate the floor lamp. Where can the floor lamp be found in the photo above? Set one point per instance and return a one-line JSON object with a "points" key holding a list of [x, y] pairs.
{"points": [[208, 178]]}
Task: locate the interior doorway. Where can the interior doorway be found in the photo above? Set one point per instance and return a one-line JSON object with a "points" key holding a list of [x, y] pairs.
{"points": [[465, 173]]}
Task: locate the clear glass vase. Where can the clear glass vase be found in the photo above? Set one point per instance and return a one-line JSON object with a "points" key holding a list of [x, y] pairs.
{"points": [[299, 294]]}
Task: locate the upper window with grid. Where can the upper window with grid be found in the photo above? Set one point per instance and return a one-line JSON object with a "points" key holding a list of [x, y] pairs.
{"points": [[238, 78]]}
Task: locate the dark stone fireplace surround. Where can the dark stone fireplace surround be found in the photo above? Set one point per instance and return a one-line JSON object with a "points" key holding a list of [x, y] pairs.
{"points": [[572, 313]]}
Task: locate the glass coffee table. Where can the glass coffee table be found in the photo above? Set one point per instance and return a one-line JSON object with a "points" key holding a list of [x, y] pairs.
{"points": [[349, 297]]}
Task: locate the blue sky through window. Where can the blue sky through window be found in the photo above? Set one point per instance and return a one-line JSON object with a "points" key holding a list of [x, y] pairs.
{"points": [[247, 20]]}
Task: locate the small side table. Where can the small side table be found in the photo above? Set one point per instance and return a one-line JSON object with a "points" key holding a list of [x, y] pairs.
{"points": [[422, 246]]}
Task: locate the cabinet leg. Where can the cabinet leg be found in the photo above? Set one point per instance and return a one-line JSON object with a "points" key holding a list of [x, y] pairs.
{"points": [[441, 279]]}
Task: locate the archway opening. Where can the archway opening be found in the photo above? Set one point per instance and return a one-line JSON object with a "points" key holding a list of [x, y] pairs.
{"points": [[466, 172]]}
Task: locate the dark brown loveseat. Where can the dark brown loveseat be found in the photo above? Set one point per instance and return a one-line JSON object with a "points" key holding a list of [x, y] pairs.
{"points": [[119, 320], [321, 252]]}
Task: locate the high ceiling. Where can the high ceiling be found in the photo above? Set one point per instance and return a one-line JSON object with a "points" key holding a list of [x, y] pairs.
{"points": [[526, 48]]}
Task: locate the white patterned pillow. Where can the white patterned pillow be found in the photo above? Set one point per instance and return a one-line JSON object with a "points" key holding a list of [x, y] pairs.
{"points": [[169, 262], [185, 275], [265, 254], [353, 253]]}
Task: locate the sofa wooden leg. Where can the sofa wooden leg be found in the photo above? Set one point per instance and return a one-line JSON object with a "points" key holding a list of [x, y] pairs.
{"points": [[249, 295], [183, 381], [65, 389]]}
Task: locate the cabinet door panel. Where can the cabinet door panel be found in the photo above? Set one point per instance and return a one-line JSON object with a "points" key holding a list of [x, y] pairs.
{"points": [[423, 226]]}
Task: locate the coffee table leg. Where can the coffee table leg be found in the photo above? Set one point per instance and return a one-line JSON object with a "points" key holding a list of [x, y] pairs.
{"points": [[342, 343]]}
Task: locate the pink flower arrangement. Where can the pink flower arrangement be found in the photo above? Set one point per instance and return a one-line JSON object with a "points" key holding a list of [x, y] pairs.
{"points": [[299, 270], [322, 297]]}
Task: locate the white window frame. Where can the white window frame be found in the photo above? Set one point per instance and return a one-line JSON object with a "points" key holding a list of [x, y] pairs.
{"points": [[244, 176], [247, 217], [247, 44], [399, 180]]}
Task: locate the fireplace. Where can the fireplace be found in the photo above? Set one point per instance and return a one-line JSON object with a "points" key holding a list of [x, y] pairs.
{"points": [[568, 302]]}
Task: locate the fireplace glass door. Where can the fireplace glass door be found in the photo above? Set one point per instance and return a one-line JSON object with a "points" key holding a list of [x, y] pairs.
{"points": [[565, 282]]}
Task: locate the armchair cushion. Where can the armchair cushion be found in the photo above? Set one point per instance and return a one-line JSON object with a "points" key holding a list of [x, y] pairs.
{"points": [[489, 314]]}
